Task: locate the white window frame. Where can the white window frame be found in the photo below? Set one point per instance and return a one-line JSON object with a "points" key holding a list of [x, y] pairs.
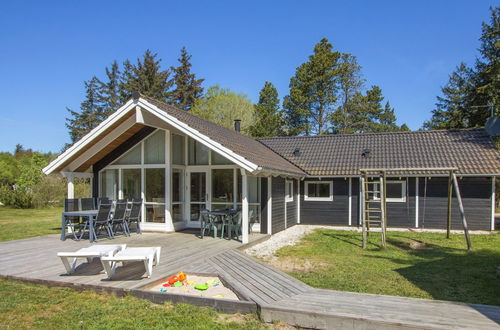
{"points": [[289, 193], [394, 200], [317, 199]]}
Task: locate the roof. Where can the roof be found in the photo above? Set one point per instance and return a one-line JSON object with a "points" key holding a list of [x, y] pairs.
{"points": [[242, 150], [249, 148], [471, 151]]}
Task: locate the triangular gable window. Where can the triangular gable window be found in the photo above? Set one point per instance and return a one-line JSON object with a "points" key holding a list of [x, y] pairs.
{"points": [[132, 157]]}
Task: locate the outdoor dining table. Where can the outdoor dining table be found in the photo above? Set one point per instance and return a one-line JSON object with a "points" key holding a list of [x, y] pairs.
{"points": [[89, 214], [226, 217]]}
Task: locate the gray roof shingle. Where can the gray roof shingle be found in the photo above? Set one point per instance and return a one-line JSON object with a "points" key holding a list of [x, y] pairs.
{"points": [[250, 149], [470, 150]]}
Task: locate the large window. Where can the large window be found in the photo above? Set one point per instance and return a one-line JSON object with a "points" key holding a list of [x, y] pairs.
{"points": [[131, 183], [109, 184], [154, 148], [177, 195], [132, 157], [155, 194], [177, 149], [198, 153], [318, 191], [222, 188], [288, 191]]}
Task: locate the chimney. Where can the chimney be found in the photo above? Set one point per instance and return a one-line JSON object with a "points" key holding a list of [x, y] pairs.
{"points": [[237, 125]]}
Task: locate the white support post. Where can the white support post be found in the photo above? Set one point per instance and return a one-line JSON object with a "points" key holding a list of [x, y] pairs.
{"points": [[244, 211], [71, 187], [361, 201], [298, 201], [350, 202], [416, 202], [493, 203], [168, 185], [269, 205]]}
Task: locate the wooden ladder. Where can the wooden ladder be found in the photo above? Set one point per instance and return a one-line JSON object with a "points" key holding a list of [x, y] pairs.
{"points": [[374, 204]]}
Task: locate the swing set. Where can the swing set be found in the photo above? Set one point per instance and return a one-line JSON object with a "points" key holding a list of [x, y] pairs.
{"points": [[374, 213]]}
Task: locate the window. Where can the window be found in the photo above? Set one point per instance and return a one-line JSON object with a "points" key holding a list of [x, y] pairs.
{"points": [[131, 183], [132, 157], [219, 160], [109, 184], [177, 195], [396, 191], [288, 191], [177, 149], [318, 191], [198, 153], [154, 148]]}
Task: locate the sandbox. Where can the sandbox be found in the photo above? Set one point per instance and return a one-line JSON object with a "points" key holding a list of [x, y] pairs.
{"points": [[215, 288]]}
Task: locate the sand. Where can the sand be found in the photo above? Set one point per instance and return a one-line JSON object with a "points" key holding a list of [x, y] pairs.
{"points": [[216, 288]]}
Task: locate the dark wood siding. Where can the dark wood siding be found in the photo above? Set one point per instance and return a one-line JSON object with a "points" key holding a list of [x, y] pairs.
{"points": [[402, 214], [117, 152], [278, 207], [475, 192], [355, 201], [291, 207], [335, 212], [263, 205]]}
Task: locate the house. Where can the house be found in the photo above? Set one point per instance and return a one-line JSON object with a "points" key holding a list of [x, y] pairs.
{"points": [[179, 164]]}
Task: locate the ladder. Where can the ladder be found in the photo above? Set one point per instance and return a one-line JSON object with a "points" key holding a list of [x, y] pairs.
{"points": [[374, 204]]}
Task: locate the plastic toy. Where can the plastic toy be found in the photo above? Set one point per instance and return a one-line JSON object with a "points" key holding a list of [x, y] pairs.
{"points": [[201, 287], [163, 290], [177, 284], [173, 279], [182, 277], [190, 282]]}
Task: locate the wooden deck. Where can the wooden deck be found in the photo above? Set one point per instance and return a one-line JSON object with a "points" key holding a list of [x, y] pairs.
{"points": [[278, 296]]}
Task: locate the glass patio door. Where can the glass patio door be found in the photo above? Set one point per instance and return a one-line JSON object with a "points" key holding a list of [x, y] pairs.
{"points": [[198, 195]]}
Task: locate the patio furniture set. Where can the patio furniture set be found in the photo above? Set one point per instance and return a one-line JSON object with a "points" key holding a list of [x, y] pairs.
{"points": [[228, 220], [94, 215]]}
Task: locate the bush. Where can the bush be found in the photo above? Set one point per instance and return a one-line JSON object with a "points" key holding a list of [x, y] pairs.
{"points": [[49, 192], [16, 197]]}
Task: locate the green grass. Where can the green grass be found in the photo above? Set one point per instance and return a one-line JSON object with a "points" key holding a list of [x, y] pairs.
{"points": [[420, 265], [24, 223], [27, 306]]}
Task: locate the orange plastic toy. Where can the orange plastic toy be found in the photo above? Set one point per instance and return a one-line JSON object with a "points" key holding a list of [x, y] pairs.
{"points": [[173, 279], [182, 277]]}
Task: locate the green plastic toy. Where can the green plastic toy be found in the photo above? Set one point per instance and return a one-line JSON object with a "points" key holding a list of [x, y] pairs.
{"points": [[177, 284], [201, 287]]}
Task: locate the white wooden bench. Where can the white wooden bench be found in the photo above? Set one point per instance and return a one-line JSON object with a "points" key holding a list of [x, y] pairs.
{"points": [[89, 253], [149, 255]]}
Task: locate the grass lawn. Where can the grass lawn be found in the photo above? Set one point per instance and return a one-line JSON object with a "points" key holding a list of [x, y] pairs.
{"points": [[27, 306], [24, 223], [420, 265]]}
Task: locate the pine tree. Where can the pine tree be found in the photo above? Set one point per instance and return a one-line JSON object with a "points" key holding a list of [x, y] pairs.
{"points": [[90, 114], [350, 84], [147, 78], [470, 91], [187, 88], [487, 79], [268, 120], [453, 107], [109, 91], [313, 91]]}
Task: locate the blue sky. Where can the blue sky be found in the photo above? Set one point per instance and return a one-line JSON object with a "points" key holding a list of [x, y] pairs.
{"points": [[48, 48]]}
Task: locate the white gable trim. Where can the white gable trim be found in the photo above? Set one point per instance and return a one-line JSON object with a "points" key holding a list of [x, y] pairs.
{"points": [[88, 138], [179, 125]]}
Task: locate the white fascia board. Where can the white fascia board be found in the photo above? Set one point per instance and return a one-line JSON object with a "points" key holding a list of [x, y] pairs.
{"points": [[191, 132], [88, 138]]}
